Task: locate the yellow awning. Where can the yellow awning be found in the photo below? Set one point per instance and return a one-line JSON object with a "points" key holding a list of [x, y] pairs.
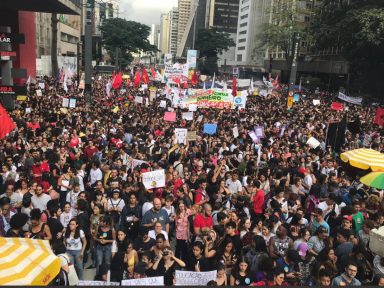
{"points": [[364, 159], [27, 262]]}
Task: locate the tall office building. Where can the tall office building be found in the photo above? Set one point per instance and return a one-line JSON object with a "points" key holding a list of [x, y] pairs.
{"points": [[164, 33], [184, 14], [173, 32]]}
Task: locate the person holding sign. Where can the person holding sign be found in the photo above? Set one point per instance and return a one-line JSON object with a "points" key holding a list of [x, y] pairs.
{"points": [[166, 264]]}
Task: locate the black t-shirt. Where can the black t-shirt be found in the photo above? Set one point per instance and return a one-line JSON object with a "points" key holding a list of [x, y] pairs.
{"points": [[56, 227], [168, 274], [204, 264], [144, 246]]}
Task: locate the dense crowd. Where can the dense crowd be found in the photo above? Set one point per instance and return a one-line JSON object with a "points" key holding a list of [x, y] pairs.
{"points": [[272, 213]]}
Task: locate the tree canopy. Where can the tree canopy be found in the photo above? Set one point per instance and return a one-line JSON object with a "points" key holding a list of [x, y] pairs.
{"points": [[210, 42], [128, 36], [356, 27]]}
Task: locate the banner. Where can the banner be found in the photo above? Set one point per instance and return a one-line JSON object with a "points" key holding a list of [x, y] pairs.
{"points": [[187, 116], [349, 99], [191, 62], [189, 278], [154, 179], [313, 142], [150, 281], [170, 116], [210, 129], [337, 106], [168, 59], [176, 71], [205, 99], [97, 283], [181, 135]]}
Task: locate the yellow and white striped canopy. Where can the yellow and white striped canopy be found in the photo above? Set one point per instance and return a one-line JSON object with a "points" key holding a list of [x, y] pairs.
{"points": [[27, 262], [364, 159]]}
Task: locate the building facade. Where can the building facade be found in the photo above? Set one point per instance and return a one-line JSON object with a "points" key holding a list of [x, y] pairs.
{"points": [[185, 9], [173, 30], [164, 33]]}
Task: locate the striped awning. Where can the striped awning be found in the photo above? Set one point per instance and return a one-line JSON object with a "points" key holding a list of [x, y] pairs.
{"points": [[27, 262], [364, 159]]}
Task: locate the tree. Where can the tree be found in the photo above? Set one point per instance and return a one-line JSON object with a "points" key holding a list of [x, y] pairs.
{"points": [[54, 61], [356, 28], [126, 36], [210, 42]]}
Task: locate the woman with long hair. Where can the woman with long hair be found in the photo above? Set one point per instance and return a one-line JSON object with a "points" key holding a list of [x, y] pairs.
{"points": [[131, 258], [104, 236], [119, 247], [75, 241], [241, 275], [228, 255], [182, 230], [37, 228]]}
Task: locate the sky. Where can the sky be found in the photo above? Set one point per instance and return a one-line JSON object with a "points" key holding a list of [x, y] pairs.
{"points": [[145, 11]]}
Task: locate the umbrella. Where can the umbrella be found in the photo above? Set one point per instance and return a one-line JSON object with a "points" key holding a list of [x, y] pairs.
{"points": [[364, 159], [374, 179], [26, 261]]}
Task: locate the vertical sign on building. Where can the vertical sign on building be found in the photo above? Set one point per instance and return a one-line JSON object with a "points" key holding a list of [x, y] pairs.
{"points": [[192, 62]]}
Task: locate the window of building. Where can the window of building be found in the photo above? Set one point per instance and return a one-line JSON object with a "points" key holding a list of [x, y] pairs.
{"points": [[239, 57], [242, 48], [246, 8], [243, 32], [244, 24], [242, 40], [307, 19], [244, 16], [244, 1]]}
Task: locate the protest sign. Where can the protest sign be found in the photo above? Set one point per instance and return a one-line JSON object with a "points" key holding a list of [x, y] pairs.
{"points": [[192, 107], [72, 103], [136, 162], [241, 100], [210, 129], [176, 70], [316, 102], [212, 98], [337, 106], [200, 118], [39, 93], [296, 97], [191, 136], [65, 102], [21, 98], [97, 283], [189, 278], [149, 281], [259, 131], [181, 135], [139, 99], [170, 116], [28, 110], [349, 99], [187, 116], [290, 102], [163, 104], [313, 142], [154, 179], [253, 136], [42, 85]]}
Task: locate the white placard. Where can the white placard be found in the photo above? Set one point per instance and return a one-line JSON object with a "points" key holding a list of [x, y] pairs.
{"points": [[39, 93], [192, 107], [181, 135], [144, 86], [97, 283], [163, 104], [313, 142], [136, 162], [72, 103], [65, 102], [235, 132], [42, 85], [154, 179], [28, 110], [189, 278], [200, 118], [139, 99], [187, 116], [150, 281], [316, 102]]}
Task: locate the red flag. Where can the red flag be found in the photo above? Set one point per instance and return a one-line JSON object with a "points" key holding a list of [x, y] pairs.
{"points": [[379, 119], [185, 85], [136, 81], [194, 78], [337, 106], [234, 86], [7, 124], [144, 76], [117, 81], [153, 73]]}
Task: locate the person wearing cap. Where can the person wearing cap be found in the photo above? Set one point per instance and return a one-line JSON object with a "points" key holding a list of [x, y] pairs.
{"points": [[318, 220]]}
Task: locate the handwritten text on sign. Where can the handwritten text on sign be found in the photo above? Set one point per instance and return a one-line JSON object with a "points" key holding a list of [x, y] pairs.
{"points": [[188, 278], [154, 179], [150, 281]]}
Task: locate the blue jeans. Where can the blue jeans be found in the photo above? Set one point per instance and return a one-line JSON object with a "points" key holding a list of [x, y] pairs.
{"points": [[78, 263], [103, 255]]}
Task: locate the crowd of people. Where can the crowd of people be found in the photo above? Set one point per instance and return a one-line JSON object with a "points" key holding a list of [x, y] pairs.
{"points": [[272, 213]]}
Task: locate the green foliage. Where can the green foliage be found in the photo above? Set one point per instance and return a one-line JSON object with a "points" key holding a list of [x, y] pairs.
{"points": [[129, 36], [210, 42], [358, 29]]}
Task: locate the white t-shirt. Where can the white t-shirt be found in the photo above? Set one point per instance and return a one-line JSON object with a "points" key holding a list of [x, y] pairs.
{"points": [[152, 234], [65, 218], [119, 203], [234, 186], [75, 244]]}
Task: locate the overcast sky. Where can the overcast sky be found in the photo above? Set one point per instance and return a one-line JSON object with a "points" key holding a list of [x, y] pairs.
{"points": [[145, 11]]}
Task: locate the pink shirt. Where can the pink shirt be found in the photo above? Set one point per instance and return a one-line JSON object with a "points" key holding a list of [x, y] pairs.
{"points": [[182, 225]]}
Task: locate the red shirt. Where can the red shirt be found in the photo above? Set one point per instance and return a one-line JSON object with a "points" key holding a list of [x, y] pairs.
{"points": [[176, 185], [90, 152], [258, 202], [34, 127], [203, 222]]}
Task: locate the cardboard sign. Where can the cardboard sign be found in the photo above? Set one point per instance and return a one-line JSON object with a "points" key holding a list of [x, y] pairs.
{"points": [[191, 136], [39, 93], [154, 179], [187, 116], [189, 278], [210, 129], [65, 102], [150, 281], [313, 142], [97, 283], [181, 135], [170, 116]]}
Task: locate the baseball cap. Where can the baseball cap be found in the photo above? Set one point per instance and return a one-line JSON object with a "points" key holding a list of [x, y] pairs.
{"points": [[348, 217]]}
